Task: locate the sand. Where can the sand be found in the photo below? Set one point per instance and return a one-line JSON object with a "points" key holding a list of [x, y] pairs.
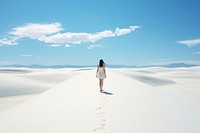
{"points": [[141, 100]]}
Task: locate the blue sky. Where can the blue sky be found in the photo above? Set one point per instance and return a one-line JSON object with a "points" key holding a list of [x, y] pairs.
{"points": [[128, 32]]}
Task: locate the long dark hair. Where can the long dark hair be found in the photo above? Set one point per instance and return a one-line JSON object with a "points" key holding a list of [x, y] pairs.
{"points": [[101, 63]]}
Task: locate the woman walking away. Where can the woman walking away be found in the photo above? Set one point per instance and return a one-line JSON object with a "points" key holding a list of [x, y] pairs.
{"points": [[101, 74]]}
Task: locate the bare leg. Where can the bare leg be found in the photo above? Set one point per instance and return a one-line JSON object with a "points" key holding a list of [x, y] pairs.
{"points": [[101, 85]]}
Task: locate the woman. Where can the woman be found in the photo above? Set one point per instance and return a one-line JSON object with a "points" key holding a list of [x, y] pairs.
{"points": [[101, 74]]}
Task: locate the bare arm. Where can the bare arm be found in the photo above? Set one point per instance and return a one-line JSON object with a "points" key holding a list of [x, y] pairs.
{"points": [[97, 70], [104, 69]]}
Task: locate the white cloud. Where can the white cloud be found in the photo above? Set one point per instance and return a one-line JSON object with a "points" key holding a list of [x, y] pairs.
{"points": [[133, 28], [55, 45], [50, 33], [100, 35], [32, 56], [67, 45], [120, 32], [77, 38], [198, 53], [27, 55], [73, 38], [93, 46], [34, 31], [190, 43], [9, 41]]}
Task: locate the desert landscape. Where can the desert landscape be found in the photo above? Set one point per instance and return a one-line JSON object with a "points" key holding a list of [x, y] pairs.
{"points": [[68, 100]]}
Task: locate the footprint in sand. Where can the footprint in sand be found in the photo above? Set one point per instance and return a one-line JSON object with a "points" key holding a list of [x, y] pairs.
{"points": [[100, 115]]}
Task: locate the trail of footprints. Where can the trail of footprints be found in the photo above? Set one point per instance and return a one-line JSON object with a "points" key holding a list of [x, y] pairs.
{"points": [[100, 115]]}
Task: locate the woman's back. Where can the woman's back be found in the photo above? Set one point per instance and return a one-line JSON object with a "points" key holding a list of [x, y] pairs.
{"points": [[101, 73], [101, 69]]}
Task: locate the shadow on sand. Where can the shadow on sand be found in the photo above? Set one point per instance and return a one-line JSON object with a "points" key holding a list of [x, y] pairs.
{"points": [[107, 93]]}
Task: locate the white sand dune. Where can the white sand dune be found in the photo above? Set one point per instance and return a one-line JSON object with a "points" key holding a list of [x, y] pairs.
{"points": [[19, 84], [14, 85], [21, 81], [129, 105], [184, 82]]}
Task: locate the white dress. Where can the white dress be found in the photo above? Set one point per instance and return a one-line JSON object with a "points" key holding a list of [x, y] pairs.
{"points": [[101, 74]]}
